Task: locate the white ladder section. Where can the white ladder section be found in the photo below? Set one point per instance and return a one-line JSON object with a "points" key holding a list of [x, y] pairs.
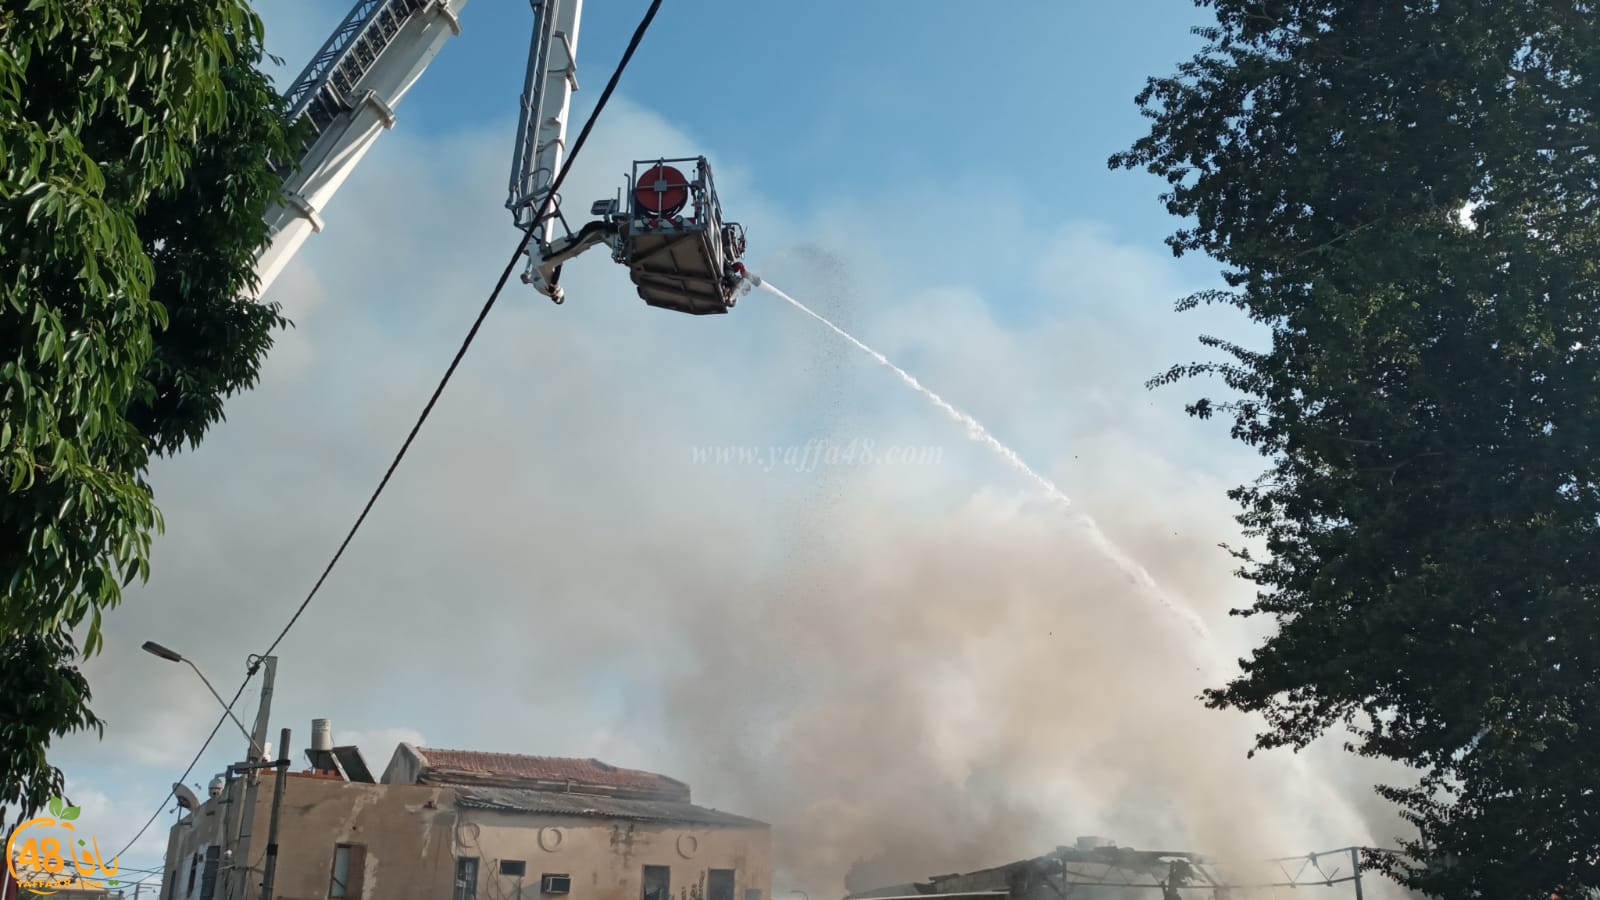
{"points": [[349, 92]]}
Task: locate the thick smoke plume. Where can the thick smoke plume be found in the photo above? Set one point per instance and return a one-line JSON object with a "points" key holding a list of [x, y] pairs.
{"points": [[903, 692], [916, 665]]}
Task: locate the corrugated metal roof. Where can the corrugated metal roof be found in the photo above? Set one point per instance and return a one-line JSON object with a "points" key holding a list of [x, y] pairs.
{"points": [[593, 772], [558, 804]]}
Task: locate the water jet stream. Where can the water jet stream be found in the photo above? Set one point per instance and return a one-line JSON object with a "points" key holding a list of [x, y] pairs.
{"points": [[1213, 660], [975, 430]]}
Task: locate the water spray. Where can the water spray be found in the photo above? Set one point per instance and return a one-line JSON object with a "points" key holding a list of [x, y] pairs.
{"points": [[1135, 572]]}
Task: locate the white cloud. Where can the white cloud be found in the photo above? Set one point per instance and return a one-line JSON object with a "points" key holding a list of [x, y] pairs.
{"points": [[906, 660]]}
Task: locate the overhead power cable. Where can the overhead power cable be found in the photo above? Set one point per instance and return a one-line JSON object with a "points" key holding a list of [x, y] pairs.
{"points": [[192, 763], [427, 410], [472, 333]]}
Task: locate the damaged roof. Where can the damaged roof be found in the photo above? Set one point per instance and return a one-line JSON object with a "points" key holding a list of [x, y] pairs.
{"points": [[522, 800], [474, 766]]}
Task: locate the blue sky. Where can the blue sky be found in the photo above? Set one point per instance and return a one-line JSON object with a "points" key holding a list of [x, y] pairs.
{"points": [[856, 99], [841, 96], [926, 663]]}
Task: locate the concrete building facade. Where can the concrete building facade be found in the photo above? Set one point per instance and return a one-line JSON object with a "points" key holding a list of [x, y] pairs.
{"points": [[465, 825]]}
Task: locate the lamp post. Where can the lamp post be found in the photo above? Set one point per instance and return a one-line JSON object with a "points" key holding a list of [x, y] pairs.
{"points": [[155, 649], [245, 818]]}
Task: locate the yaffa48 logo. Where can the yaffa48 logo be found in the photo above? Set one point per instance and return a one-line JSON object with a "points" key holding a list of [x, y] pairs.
{"points": [[48, 854]]}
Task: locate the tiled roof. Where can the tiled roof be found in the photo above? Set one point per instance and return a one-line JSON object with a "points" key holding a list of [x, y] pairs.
{"points": [[441, 765], [557, 804]]}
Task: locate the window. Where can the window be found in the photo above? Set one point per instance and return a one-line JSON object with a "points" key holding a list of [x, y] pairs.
{"points": [[466, 878], [341, 871], [349, 867], [657, 883], [752, 894], [194, 868], [514, 868], [719, 884], [208, 874]]}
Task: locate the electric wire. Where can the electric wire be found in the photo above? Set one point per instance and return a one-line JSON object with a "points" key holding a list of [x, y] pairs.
{"points": [[427, 410], [472, 333], [227, 714], [185, 776]]}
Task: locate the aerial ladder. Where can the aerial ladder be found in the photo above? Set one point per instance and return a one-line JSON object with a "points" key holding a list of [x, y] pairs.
{"points": [[666, 227]]}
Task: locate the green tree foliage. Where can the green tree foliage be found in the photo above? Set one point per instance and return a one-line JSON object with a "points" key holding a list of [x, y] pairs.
{"points": [[135, 139], [1429, 400], [42, 695]]}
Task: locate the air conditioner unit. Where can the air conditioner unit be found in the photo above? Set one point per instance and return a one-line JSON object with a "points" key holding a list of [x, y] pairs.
{"points": [[555, 884]]}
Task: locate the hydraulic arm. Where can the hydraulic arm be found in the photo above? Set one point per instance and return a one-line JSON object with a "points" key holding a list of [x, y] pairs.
{"points": [[667, 229], [689, 263]]}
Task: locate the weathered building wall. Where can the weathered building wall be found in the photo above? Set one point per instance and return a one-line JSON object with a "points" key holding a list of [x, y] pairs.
{"points": [[606, 859], [405, 840], [193, 850], [404, 833]]}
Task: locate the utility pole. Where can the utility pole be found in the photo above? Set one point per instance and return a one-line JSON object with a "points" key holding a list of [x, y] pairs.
{"points": [[230, 828], [239, 871], [271, 868]]}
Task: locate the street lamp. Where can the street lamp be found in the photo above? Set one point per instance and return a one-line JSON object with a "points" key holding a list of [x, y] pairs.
{"points": [[155, 649], [238, 822]]}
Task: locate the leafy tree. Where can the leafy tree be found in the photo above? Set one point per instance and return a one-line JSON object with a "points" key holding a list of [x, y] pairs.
{"points": [[44, 696], [1428, 400], [135, 139]]}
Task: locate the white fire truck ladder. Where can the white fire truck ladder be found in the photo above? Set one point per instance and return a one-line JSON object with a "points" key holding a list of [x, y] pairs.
{"points": [[668, 230], [348, 92]]}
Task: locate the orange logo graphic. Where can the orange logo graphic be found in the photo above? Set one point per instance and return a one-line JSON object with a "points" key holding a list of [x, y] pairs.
{"points": [[47, 854]]}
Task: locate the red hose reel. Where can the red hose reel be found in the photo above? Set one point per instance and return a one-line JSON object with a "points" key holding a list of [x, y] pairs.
{"points": [[661, 190]]}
